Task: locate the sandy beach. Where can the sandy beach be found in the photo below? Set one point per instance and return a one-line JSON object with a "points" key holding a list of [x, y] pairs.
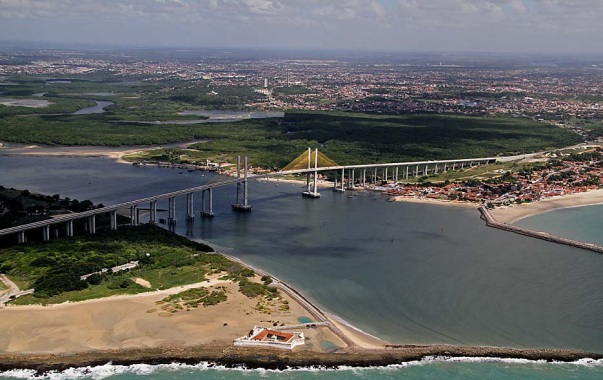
{"points": [[112, 152], [401, 198], [511, 214], [138, 322]]}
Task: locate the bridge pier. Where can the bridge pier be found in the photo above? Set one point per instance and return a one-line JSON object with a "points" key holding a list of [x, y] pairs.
{"points": [[92, 224], [385, 174], [153, 212], [46, 233], [207, 211], [70, 228], [341, 188], [113, 219], [134, 219], [21, 238], [245, 207], [363, 177], [190, 212], [351, 180], [313, 193], [406, 174], [171, 210]]}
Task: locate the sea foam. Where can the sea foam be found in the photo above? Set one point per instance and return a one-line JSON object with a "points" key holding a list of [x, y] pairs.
{"points": [[110, 370]]}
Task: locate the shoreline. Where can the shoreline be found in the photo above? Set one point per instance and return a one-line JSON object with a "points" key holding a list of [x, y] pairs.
{"points": [[513, 214], [112, 152], [255, 358]]}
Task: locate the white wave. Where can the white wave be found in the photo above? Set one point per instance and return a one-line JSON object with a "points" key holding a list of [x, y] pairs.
{"points": [[472, 359], [108, 370]]}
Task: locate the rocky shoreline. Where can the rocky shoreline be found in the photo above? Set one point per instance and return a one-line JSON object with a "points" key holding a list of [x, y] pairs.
{"points": [[224, 354]]}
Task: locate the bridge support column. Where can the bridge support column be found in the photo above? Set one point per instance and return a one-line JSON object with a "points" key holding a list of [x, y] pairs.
{"points": [[190, 212], [134, 219], [21, 238], [245, 207], [374, 176], [312, 191], [46, 233], [336, 188], [385, 174], [153, 212], [406, 174], [70, 228], [113, 219], [207, 210], [396, 172], [171, 210], [363, 177], [351, 180], [92, 224]]}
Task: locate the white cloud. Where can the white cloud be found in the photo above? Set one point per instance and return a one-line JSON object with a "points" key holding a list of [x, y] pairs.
{"points": [[441, 24]]}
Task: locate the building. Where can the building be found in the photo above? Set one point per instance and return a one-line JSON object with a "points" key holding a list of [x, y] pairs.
{"points": [[264, 337]]}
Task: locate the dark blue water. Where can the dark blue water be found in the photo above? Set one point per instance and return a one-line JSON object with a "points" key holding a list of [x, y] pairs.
{"points": [[408, 273]]}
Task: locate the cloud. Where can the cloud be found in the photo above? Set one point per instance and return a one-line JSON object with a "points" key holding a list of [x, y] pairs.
{"points": [[386, 24]]}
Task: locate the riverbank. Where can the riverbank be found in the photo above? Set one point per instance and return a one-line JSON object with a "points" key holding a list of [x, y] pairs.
{"points": [[113, 152], [512, 214]]}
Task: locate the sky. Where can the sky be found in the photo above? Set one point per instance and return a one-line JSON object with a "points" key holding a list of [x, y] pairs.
{"points": [[524, 26]]}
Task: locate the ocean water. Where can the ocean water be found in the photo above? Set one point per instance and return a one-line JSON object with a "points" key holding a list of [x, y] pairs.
{"points": [[580, 223], [407, 273], [429, 368]]}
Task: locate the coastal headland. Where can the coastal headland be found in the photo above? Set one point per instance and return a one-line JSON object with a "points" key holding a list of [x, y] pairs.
{"points": [[229, 356]]}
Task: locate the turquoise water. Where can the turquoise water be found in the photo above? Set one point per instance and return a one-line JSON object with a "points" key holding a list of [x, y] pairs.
{"points": [[578, 223], [407, 273], [304, 319]]}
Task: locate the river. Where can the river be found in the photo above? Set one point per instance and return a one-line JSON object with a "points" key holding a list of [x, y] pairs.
{"points": [[408, 273]]}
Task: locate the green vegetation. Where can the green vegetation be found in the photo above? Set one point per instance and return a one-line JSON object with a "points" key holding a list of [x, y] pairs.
{"points": [[359, 138], [347, 138], [21, 206], [164, 260], [195, 297], [54, 268]]}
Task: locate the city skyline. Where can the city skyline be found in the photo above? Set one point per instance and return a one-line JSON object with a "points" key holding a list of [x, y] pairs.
{"points": [[521, 26]]}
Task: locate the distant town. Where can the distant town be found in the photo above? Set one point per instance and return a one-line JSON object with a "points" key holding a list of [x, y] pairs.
{"points": [[566, 93]]}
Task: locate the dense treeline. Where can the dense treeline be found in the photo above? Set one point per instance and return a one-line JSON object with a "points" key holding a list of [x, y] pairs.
{"points": [[22, 206], [359, 138], [55, 267]]}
